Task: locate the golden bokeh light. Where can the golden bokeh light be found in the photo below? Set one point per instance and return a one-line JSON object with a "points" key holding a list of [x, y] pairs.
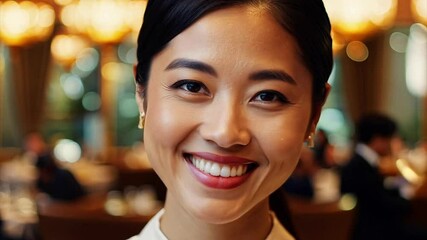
{"points": [[358, 19], [65, 48], [25, 22], [419, 9], [357, 51]]}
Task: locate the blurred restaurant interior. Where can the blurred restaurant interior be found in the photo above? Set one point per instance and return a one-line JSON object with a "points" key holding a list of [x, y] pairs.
{"points": [[66, 79]]}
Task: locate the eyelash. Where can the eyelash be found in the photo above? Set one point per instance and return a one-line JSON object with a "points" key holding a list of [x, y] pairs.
{"points": [[184, 85], [277, 96]]}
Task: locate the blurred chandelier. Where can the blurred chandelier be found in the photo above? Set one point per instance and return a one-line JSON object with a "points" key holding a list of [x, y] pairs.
{"points": [[103, 21], [419, 10], [25, 22], [355, 20], [66, 47]]}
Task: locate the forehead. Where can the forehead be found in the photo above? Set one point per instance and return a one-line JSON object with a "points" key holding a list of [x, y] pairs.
{"points": [[240, 24], [239, 35]]}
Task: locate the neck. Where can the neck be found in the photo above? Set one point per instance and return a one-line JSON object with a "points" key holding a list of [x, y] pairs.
{"points": [[178, 224]]}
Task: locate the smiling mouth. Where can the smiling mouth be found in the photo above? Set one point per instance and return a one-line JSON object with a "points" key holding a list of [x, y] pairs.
{"points": [[219, 169]]}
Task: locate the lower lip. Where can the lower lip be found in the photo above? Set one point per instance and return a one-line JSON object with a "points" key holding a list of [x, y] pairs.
{"points": [[218, 182]]}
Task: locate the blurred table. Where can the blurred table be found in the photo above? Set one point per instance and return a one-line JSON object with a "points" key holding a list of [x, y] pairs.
{"points": [[93, 176], [87, 218], [17, 209], [18, 171], [19, 216]]}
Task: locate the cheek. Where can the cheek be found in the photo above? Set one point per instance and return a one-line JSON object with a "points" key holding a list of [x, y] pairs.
{"points": [[283, 146], [167, 125], [162, 128], [284, 156], [162, 136]]}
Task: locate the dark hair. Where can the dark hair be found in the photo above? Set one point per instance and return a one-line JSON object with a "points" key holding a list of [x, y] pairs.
{"points": [[305, 20], [374, 125]]}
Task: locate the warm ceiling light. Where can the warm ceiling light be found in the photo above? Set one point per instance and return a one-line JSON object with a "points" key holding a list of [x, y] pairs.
{"points": [[357, 19], [25, 22], [136, 13], [419, 8], [65, 48], [104, 21]]}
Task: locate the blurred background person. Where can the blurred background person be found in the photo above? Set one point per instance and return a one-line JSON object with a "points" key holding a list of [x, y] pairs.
{"points": [[59, 183], [34, 146], [381, 211], [323, 150]]}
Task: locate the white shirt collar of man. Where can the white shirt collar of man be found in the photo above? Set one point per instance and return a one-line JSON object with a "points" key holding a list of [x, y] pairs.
{"points": [[368, 154]]}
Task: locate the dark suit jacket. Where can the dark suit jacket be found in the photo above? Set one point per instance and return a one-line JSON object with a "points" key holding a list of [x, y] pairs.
{"points": [[380, 211], [62, 185]]}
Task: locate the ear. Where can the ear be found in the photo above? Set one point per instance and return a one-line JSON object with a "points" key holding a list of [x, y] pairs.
{"points": [[139, 93], [139, 96], [317, 109]]}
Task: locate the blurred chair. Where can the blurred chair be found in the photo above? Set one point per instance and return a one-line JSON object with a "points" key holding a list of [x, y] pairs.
{"points": [[133, 170], [140, 177], [322, 221], [84, 219]]}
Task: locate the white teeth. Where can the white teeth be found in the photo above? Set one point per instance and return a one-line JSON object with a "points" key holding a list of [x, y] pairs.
{"points": [[233, 172], [208, 166], [201, 164], [239, 170], [225, 171], [216, 169]]}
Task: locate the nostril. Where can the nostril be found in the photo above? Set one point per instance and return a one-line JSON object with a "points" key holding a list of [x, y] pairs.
{"points": [[227, 127], [227, 138]]}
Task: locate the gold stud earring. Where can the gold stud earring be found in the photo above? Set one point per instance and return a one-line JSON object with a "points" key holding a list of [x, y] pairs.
{"points": [[141, 120], [310, 140]]}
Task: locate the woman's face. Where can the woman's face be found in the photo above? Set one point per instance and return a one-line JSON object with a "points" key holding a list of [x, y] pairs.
{"points": [[228, 110]]}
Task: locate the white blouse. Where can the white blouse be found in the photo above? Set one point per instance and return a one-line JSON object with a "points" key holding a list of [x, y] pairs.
{"points": [[152, 230]]}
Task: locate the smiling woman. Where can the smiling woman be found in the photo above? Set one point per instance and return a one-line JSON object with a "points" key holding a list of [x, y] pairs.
{"points": [[228, 92]]}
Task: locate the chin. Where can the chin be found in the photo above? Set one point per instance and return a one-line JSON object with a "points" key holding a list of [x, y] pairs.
{"points": [[216, 217], [216, 211]]}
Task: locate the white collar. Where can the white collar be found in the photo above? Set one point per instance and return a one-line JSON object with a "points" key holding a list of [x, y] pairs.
{"points": [[152, 230], [368, 154]]}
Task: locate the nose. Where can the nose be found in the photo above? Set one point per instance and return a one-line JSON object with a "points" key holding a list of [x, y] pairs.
{"points": [[226, 125]]}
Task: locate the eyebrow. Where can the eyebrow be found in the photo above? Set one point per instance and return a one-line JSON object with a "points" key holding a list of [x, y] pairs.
{"points": [[192, 64], [206, 68], [272, 74]]}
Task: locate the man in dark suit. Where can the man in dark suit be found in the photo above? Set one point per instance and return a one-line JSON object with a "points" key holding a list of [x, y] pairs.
{"points": [[57, 182], [381, 211]]}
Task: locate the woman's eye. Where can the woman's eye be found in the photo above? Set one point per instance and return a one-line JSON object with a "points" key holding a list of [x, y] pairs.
{"points": [[190, 86], [270, 96]]}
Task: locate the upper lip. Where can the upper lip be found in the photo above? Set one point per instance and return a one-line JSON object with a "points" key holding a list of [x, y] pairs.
{"points": [[222, 159]]}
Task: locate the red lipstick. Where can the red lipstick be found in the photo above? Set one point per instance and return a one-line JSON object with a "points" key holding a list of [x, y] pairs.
{"points": [[220, 182]]}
